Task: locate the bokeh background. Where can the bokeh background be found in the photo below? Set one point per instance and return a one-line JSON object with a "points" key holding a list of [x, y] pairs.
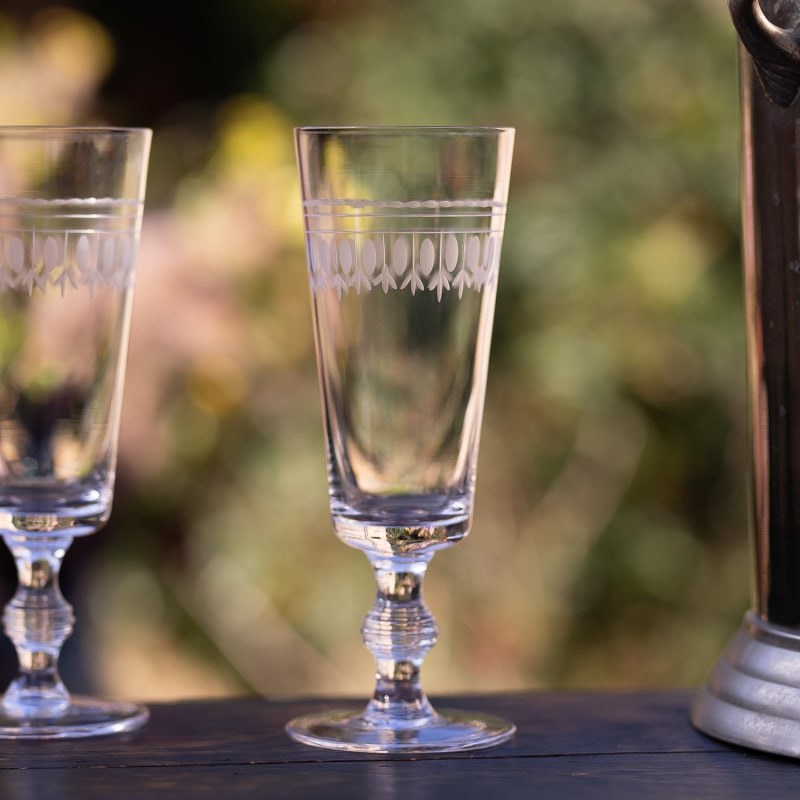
{"points": [[610, 539]]}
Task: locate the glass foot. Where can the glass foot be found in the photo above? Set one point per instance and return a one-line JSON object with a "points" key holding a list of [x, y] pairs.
{"points": [[84, 716], [446, 732]]}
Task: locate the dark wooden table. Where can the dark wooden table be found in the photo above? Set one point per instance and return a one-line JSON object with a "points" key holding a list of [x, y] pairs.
{"points": [[575, 744]]}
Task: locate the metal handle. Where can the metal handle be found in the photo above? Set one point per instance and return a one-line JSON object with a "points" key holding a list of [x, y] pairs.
{"points": [[773, 46]]}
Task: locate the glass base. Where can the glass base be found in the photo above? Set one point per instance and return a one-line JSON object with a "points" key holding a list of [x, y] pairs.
{"points": [[84, 716], [446, 732]]}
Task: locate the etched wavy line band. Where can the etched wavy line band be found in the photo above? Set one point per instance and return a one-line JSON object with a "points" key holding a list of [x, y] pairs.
{"points": [[353, 202]]}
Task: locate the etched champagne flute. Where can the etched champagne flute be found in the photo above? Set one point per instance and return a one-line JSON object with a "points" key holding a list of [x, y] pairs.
{"points": [[70, 214], [403, 232]]}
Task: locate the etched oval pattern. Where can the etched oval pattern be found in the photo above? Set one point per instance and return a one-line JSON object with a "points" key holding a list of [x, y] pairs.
{"points": [[67, 260], [412, 261]]}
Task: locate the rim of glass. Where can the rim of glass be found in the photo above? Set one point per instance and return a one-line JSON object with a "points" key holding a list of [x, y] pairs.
{"points": [[398, 129], [11, 130]]}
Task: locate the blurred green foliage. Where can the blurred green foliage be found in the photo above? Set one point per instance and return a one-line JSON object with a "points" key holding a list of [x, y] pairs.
{"points": [[609, 544]]}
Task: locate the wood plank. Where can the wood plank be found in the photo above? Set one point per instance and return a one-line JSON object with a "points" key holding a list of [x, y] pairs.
{"points": [[249, 731], [570, 744], [662, 776]]}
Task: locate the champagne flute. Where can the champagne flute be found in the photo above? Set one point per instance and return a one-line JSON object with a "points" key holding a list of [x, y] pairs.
{"points": [[71, 204], [403, 232]]}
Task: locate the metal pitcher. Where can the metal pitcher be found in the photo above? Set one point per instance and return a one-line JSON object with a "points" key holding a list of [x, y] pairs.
{"points": [[752, 696]]}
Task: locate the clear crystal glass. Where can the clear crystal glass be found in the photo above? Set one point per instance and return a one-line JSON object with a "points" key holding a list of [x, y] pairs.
{"points": [[70, 215], [403, 234]]}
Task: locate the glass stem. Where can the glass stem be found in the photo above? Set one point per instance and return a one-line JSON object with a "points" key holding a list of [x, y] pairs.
{"points": [[398, 631], [38, 620]]}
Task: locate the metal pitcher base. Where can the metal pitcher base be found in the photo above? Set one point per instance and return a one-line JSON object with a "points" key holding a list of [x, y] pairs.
{"points": [[752, 696]]}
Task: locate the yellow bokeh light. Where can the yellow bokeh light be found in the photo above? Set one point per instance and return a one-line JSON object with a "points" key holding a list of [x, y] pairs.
{"points": [[72, 45]]}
